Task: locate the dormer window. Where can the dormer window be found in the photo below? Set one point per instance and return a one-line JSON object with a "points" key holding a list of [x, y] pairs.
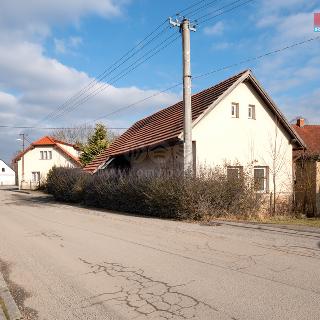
{"points": [[235, 110], [251, 111]]}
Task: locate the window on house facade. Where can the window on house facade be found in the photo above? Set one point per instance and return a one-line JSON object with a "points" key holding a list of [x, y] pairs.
{"points": [[3, 169], [36, 176], [45, 155], [234, 172], [251, 111], [235, 110], [261, 179]]}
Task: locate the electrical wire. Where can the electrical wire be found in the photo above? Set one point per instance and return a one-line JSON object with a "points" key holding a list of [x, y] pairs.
{"points": [[74, 100]]}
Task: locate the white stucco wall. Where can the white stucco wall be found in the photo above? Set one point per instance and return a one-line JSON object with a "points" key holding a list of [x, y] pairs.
{"points": [[222, 139], [70, 149], [164, 157], [34, 163], [7, 175]]}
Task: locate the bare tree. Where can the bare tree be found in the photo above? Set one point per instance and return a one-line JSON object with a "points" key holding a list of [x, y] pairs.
{"points": [[278, 154], [75, 135]]}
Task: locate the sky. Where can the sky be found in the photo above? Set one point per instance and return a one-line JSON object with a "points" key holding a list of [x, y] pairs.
{"points": [[50, 50]]}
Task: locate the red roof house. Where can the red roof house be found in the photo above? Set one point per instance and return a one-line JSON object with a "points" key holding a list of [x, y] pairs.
{"points": [[40, 156]]}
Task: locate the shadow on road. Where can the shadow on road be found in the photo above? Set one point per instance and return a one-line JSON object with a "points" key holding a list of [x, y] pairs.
{"points": [[21, 199], [20, 295]]}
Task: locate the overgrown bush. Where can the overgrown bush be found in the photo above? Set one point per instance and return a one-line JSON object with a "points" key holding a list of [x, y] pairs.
{"points": [[67, 184], [210, 194]]}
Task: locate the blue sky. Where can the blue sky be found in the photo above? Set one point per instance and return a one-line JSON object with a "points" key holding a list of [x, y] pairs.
{"points": [[51, 49]]}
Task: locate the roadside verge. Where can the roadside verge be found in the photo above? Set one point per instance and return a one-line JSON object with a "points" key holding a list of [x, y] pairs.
{"points": [[8, 308]]}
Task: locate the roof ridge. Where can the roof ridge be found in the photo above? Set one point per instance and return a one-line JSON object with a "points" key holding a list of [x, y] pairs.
{"points": [[193, 95], [167, 123]]}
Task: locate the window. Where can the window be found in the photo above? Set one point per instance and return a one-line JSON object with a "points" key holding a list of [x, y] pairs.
{"points": [[45, 155], [36, 176], [234, 172], [3, 169], [251, 111], [235, 110], [261, 179]]}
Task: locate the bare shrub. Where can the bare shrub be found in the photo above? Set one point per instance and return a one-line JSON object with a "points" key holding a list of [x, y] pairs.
{"points": [[67, 184], [209, 194]]}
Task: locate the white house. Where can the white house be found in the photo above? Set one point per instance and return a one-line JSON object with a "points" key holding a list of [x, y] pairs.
{"points": [[234, 124], [36, 161], [7, 175]]}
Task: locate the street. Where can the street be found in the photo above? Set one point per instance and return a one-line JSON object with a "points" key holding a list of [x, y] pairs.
{"points": [[68, 262]]}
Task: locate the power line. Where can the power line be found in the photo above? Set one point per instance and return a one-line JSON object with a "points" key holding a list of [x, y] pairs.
{"points": [[296, 44], [73, 100], [212, 72], [55, 128], [119, 76], [108, 71], [221, 13], [131, 53]]}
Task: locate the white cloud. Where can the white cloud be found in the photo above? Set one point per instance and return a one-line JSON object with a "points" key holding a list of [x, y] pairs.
{"points": [[222, 45], [59, 46], [63, 46], [215, 30], [36, 16], [33, 84]]}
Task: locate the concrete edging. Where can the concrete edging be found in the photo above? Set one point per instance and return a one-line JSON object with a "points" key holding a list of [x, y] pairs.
{"points": [[11, 307]]}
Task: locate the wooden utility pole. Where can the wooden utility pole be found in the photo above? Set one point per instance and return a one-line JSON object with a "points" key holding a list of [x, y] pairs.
{"points": [[185, 27], [22, 135]]}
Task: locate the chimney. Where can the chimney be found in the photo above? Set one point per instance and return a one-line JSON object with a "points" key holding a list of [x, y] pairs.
{"points": [[300, 122]]}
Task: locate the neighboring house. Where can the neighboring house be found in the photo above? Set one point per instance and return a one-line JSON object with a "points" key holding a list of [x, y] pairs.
{"points": [[307, 169], [234, 122], [36, 161], [7, 175]]}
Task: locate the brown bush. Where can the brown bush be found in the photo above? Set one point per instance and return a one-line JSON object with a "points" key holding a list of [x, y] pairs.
{"points": [[210, 194]]}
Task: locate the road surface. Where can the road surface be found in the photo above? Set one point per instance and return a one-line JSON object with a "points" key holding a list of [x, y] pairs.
{"points": [[66, 262]]}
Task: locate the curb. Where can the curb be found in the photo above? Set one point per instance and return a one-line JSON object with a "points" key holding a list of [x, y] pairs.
{"points": [[8, 308]]}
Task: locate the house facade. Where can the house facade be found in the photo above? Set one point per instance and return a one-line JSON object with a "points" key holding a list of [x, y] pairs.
{"points": [[7, 175], [307, 169], [36, 161], [235, 124]]}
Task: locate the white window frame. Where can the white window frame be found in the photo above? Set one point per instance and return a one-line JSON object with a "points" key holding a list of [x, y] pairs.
{"points": [[252, 111], [265, 179], [3, 169], [35, 176], [45, 155], [234, 110]]}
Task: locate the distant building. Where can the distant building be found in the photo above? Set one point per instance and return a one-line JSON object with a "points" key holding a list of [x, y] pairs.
{"points": [[7, 175], [36, 161], [235, 122], [307, 169]]}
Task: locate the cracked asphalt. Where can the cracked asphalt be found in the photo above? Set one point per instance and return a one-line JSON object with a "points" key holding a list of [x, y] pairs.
{"points": [[68, 262]]}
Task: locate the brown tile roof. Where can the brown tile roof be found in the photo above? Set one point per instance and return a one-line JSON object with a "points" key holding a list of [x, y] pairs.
{"points": [[50, 141], [167, 124], [163, 125], [311, 136]]}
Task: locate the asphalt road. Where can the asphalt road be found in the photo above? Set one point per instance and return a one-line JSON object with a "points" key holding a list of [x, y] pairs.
{"points": [[64, 262]]}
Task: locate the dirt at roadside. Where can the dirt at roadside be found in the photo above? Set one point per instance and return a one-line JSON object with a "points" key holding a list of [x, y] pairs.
{"points": [[19, 294]]}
